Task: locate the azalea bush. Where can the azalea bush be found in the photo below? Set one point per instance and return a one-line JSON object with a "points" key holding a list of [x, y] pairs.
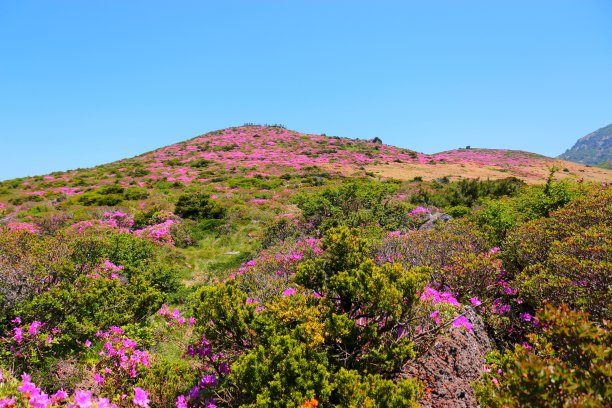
{"points": [[336, 322], [567, 363], [573, 259]]}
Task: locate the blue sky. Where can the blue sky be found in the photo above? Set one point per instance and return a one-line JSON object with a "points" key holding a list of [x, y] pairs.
{"points": [[88, 82]]}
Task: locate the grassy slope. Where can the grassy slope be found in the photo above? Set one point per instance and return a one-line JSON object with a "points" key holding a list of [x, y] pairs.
{"points": [[256, 170]]}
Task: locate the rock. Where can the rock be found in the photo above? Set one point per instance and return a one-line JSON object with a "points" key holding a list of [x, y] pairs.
{"points": [[454, 361], [433, 218]]}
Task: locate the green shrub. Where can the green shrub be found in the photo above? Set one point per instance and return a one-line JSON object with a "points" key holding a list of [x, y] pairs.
{"points": [[198, 206], [568, 364]]}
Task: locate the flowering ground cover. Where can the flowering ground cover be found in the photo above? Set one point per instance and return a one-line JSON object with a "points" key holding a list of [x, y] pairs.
{"points": [[258, 266]]}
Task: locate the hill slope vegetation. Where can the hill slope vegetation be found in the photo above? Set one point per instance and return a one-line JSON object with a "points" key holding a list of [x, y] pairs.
{"points": [[261, 267]]}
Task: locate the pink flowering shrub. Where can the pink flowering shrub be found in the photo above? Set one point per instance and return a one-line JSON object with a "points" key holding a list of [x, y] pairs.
{"points": [[159, 233], [265, 276], [25, 345], [566, 363], [433, 248], [119, 362], [25, 393], [23, 226]]}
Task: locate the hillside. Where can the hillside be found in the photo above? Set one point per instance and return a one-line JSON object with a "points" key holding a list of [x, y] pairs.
{"points": [[594, 149], [273, 151], [258, 266]]}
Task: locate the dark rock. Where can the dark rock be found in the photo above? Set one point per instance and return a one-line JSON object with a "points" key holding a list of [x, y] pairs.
{"points": [[453, 362]]}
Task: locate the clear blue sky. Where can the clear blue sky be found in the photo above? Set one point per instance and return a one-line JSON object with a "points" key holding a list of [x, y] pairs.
{"points": [[88, 82]]}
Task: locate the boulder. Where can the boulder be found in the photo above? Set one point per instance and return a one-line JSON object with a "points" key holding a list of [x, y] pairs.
{"points": [[451, 364]]}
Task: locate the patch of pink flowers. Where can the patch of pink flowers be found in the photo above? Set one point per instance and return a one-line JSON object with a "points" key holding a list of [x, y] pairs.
{"points": [[419, 210], [119, 355], [106, 269], [23, 226], [159, 233], [174, 317], [29, 394]]}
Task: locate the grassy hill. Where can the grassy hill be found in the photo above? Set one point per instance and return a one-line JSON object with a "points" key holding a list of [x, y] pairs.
{"points": [[258, 266]]}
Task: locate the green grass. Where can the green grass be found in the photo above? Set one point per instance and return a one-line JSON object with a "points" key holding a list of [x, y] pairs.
{"points": [[215, 255]]}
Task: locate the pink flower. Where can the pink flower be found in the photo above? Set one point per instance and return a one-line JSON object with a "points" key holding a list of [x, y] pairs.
{"points": [[141, 397], [34, 326], [7, 402], [191, 321], [59, 395], [87, 343], [436, 316], [18, 334], [475, 301], [181, 402], [98, 378], [27, 387], [289, 292], [526, 317], [82, 399], [462, 321]]}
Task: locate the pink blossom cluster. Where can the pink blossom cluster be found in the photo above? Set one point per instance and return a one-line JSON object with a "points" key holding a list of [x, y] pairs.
{"points": [[106, 269], [29, 393], [23, 226], [419, 210], [118, 219], [69, 191], [174, 317], [121, 222], [434, 297], [119, 355], [22, 337], [282, 260], [159, 233], [216, 366]]}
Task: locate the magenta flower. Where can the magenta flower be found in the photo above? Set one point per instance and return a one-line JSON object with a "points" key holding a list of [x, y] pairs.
{"points": [[208, 380], [475, 301], [436, 316], [181, 402], [60, 395], [87, 343], [18, 334], [82, 399], [462, 321], [192, 321], [7, 402], [98, 378], [34, 326], [289, 292], [141, 397]]}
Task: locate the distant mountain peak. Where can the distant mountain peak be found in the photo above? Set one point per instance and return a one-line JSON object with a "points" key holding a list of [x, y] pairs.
{"points": [[594, 148]]}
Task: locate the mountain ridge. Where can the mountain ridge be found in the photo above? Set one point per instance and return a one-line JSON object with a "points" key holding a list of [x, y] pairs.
{"points": [[593, 149]]}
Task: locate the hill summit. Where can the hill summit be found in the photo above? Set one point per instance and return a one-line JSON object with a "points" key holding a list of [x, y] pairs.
{"points": [[273, 151]]}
